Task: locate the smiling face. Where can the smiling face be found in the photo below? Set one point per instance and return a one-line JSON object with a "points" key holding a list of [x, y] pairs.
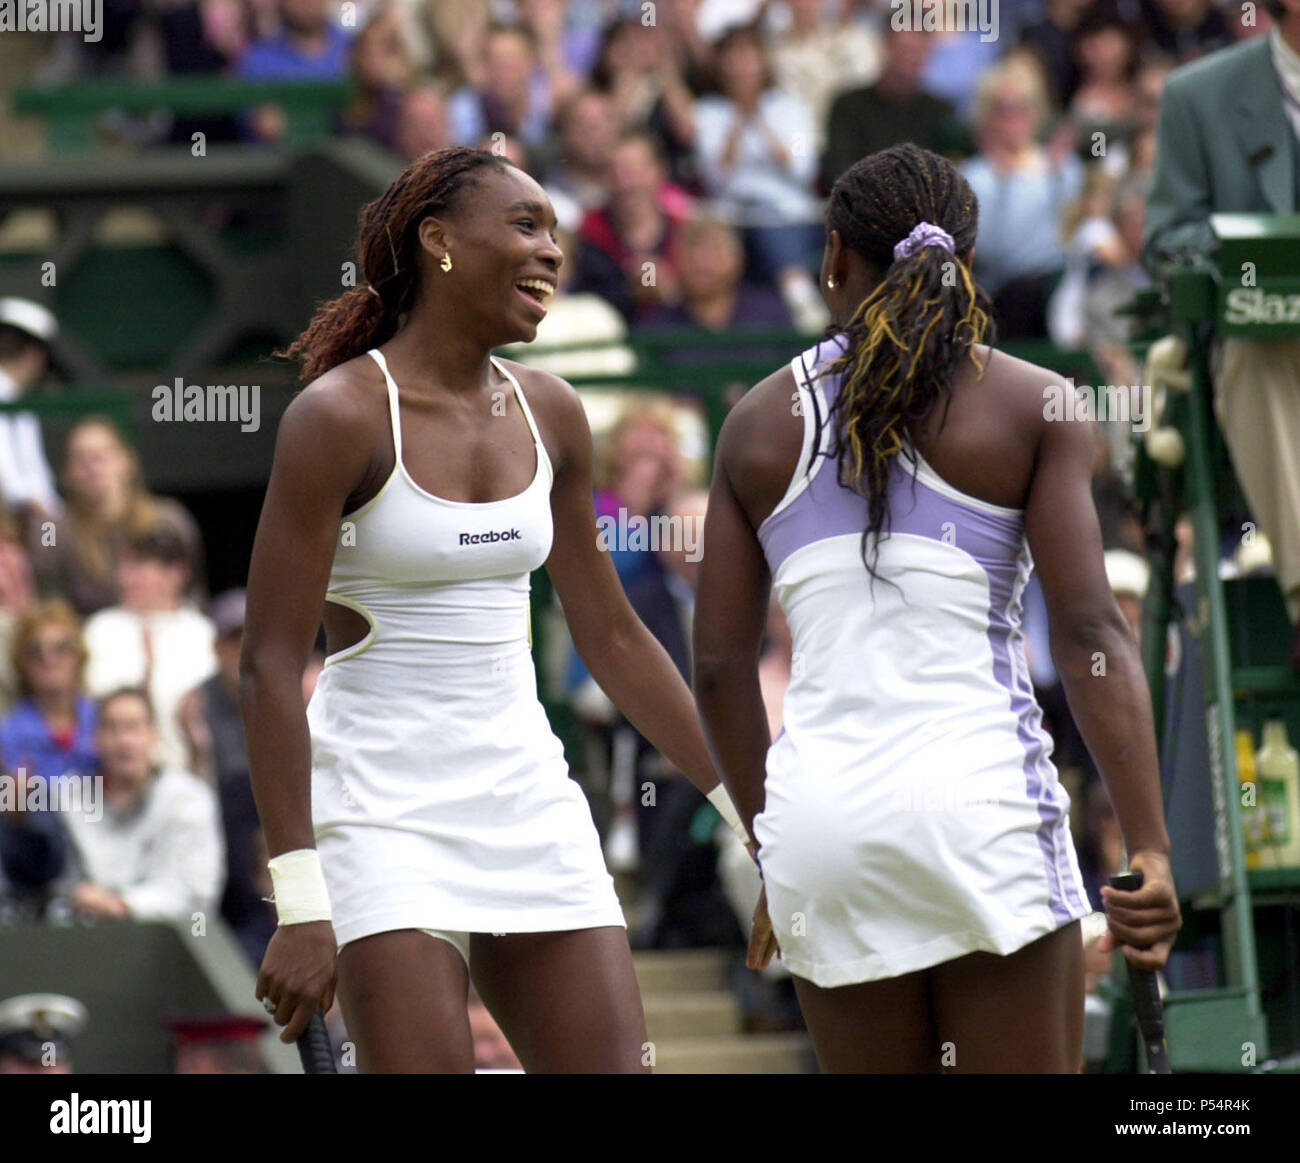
{"points": [[51, 659], [505, 261]]}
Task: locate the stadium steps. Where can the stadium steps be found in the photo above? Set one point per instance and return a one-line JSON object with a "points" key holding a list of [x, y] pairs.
{"points": [[696, 1024], [754, 1054]]}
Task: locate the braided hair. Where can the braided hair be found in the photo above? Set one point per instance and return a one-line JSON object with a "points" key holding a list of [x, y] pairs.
{"points": [[906, 338], [387, 247]]}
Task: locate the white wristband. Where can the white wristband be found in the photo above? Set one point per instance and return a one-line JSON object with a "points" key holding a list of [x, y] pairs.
{"points": [[300, 895], [719, 798]]}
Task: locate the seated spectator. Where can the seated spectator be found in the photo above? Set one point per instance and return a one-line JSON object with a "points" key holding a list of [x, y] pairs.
{"points": [[1105, 102], [681, 903], [157, 852], [154, 639], [17, 592], [817, 58], [214, 733], [49, 735], [715, 299], [1137, 156], [563, 47], [51, 730], [1091, 243], [307, 47], [1185, 29], [754, 149], [204, 37], [107, 504], [382, 69], [1022, 189], [1052, 40], [514, 97], [422, 124], [573, 319], [512, 149], [33, 850], [688, 44], [638, 467], [1223, 122], [1108, 330], [652, 75], [587, 132], [457, 30], [26, 481], [216, 1043], [957, 65], [893, 110], [629, 248]]}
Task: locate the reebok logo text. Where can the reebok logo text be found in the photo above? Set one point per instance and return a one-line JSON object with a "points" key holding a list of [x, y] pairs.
{"points": [[494, 535]]}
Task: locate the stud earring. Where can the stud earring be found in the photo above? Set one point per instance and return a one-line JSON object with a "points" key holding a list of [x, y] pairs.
{"points": [[446, 261], [830, 283]]}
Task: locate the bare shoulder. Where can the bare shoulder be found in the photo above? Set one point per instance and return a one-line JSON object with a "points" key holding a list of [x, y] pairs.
{"points": [[345, 400], [758, 447], [545, 390], [756, 421], [1024, 390], [333, 430], [556, 406]]}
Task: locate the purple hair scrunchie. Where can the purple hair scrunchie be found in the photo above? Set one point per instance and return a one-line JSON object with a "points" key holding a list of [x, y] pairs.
{"points": [[923, 234]]}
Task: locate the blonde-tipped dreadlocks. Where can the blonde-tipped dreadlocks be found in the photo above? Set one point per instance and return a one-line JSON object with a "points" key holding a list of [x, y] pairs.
{"points": [[908, 335]]}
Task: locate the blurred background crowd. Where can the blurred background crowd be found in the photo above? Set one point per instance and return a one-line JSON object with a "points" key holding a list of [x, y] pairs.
{"points": [[686, 146]]}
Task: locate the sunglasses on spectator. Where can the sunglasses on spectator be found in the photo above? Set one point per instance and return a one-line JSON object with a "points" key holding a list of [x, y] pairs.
{"points": [[63, 648]]}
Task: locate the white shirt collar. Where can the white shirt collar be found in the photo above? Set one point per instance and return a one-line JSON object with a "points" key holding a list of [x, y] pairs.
{"points": [[1286, 61]]}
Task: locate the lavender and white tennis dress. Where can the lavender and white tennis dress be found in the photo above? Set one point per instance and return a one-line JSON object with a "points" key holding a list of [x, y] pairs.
{"points": [[913, 812], [441, 799]]}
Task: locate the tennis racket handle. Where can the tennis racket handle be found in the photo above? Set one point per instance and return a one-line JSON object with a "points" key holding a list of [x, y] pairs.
{"points": [[314, 1047], [1147, 1006]]}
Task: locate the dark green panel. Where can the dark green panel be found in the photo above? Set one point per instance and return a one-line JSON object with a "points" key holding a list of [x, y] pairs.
{"points": [[136, 304]]}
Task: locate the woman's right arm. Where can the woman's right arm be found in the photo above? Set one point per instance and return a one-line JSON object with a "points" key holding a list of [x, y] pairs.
{"points": [[1101, 670], [319, 462]]}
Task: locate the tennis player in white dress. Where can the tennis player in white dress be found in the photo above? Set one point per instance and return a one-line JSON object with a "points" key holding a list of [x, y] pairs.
{"points": [[914, 837], [420, 816]]}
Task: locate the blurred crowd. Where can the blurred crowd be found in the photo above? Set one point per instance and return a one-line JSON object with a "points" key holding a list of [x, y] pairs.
{"points": [[643, 119], [686, 146]]}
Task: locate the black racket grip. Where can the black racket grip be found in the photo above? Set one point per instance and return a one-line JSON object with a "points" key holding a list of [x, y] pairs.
{"points": [[1145, 990], [314, 1047]]}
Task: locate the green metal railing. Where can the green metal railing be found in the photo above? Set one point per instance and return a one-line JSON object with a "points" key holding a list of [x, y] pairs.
{"points": [[72, 111], [1243, 634]]}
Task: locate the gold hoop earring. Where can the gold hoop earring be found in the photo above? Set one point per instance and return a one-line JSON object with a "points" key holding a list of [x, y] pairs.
{"points": [[446, 261]]}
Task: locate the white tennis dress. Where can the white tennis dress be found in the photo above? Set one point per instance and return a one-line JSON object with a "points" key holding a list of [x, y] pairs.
{"points": [[441, 799], [913, 813]]}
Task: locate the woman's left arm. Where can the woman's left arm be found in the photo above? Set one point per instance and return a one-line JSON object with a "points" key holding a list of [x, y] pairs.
{"points": [[624, 658]]}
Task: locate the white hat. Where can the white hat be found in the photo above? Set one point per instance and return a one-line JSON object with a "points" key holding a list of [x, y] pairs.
{"points": [[44, 1014], [30, 317]]}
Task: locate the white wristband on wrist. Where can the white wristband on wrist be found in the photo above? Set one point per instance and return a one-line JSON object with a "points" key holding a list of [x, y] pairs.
{"points": [[719, 798], [300, 895]]}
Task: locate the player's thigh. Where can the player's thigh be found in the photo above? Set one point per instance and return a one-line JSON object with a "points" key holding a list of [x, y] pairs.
{"points": [[567, 1001], [404, 1001], [872, 1027], [1022, 1013]]}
